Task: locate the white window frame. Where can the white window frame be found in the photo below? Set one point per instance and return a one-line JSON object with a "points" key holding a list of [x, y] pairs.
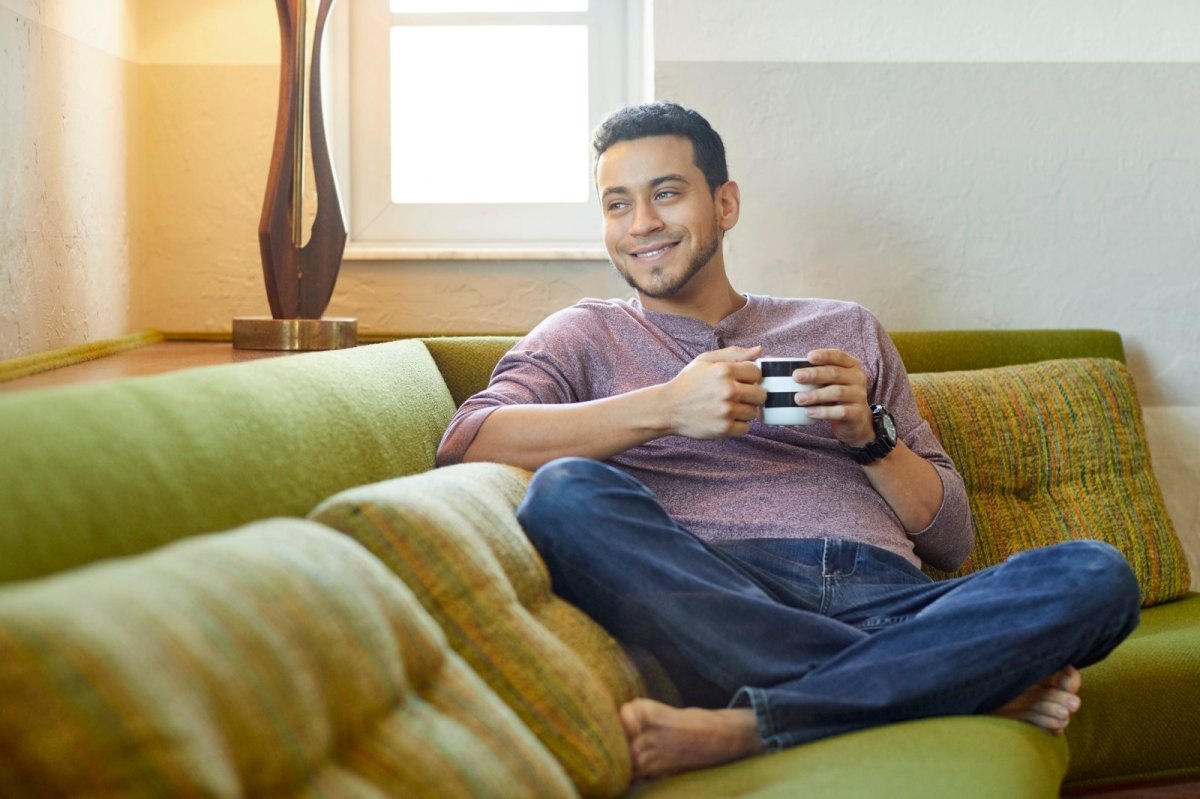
{"points": [[358, 87]]}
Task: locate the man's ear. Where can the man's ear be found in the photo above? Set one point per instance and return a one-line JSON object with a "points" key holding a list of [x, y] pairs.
{"points": [[728, 199]]}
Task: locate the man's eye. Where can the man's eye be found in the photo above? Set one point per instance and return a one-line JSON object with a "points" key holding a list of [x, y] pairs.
{"points": [[665, 194], [617, 206]]}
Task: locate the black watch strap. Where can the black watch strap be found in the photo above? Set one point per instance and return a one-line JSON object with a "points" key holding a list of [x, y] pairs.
{"points": [[885, 438]]}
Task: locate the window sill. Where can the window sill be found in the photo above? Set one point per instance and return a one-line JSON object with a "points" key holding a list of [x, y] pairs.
{"points": [[482, 252]]}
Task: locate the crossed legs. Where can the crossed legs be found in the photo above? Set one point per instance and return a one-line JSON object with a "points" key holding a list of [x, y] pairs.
{"points": [[1003, 641]]}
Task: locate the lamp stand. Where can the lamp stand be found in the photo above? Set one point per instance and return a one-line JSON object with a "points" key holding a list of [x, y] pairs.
{"points": [[299, 276]]}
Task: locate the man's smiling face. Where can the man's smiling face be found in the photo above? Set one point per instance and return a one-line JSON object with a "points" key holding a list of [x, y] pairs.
{"points": [[661, 222]]}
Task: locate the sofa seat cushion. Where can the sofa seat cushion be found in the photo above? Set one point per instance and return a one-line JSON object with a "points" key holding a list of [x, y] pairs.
{"points": [[128, 465], [452, 536], [945, 758], [279, 659], [1056, 451], [1140, 717]]}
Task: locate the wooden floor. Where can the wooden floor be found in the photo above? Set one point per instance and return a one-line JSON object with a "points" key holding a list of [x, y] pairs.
{"points": [[1173, 790], [165, 356]]}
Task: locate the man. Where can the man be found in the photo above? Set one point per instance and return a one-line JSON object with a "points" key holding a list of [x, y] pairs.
{"points": [[773, 571]]}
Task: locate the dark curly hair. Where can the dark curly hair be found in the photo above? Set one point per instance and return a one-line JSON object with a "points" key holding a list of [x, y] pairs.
{"points": [[666, 119]]}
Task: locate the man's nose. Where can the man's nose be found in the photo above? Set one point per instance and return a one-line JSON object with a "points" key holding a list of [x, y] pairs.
{"points": [[645, 220]]}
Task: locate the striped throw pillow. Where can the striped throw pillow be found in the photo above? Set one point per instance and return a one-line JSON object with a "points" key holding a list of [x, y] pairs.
{"points": [[452, 535], [1056, 451], [279, 659]]}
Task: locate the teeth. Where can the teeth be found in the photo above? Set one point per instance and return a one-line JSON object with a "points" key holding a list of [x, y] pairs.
{"points": [[653, 253]]}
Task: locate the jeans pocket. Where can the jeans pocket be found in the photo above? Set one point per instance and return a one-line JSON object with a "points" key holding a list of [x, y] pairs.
{"points": [[788, 569], [881, 567]]}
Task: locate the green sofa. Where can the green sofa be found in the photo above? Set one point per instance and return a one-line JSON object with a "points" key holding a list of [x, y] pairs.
{"points": [[248, 580]]}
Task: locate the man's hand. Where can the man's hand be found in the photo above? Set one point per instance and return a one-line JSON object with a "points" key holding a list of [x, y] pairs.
{"points": [[715, 396], [841, 396]]}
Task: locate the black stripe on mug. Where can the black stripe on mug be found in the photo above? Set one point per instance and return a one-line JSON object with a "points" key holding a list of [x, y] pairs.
{"points": [[781, 399], [782, 368]]}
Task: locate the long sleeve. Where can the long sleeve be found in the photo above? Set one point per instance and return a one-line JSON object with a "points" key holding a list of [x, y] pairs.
{"points": [[947, 541]]}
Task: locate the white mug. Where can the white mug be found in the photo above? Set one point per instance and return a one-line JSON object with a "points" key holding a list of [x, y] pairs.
{"points": [[781, 407]]}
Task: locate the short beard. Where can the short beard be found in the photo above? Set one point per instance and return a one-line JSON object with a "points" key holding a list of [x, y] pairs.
{"points": [[705, 254]]}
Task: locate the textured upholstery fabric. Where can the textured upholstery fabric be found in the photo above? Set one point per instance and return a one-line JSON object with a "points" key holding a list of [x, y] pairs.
{"points": [[452, 536], [965, 757], [1140, 705], [130, 464], [276, 660], [1056, 451]]}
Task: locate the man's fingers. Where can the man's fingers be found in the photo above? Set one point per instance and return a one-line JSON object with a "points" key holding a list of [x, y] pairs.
{"points": [[739, 360], [831, 357], [746, 372], [731, 354], [748, 393]]}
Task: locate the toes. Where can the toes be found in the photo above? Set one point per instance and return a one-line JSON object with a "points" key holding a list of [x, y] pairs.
{"points": [[1051, 709], [1049, 705], [1070, 702], [1046, 719], [1071, 680], [630, 720]]}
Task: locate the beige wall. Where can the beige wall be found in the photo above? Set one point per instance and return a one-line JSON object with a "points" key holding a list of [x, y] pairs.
{"points": [[209, 80], [66, 177]]}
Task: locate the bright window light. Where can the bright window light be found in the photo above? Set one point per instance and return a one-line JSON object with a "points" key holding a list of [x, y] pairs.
{"points": [[499, 6], [503, 117]]}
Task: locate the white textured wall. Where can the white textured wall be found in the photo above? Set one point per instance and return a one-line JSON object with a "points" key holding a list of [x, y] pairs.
{"points": [[66, 244], [105, 25], [987, 165], [927, 30]]}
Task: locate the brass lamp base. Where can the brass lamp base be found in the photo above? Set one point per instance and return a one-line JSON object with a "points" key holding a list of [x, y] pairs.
{"points": [[294, 335]]}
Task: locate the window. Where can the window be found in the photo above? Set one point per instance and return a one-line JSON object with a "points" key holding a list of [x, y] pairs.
{"points": [[465, 124]]}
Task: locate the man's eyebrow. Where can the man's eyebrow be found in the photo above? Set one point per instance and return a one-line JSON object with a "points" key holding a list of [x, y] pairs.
{"points": [[654, 183], [667, 179]]}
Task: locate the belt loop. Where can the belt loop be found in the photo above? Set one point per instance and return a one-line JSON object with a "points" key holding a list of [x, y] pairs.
{"points": [[839, 558]]}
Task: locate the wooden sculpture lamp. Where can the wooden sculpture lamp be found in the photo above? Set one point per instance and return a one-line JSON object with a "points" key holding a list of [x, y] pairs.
{"points": [[299, 276]]}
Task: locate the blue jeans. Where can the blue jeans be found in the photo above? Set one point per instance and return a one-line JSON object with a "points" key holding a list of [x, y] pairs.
{"points": [[819, 636]]}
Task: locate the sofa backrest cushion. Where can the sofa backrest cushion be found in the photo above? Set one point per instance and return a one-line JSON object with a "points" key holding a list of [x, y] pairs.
{"points": [[116, 468], [956, 350], [1056, 451], [279, 659], [467, 361], [453, 537]]}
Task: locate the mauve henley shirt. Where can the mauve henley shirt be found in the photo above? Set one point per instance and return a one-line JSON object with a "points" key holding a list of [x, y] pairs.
{"points": [[773, 482]]}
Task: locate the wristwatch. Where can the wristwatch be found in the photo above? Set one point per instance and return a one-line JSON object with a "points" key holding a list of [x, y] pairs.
{"points": [[885, 438]]}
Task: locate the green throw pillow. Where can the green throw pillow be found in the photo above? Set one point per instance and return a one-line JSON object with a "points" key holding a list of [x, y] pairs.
{"points": [[452, 536], [1056, 451]]}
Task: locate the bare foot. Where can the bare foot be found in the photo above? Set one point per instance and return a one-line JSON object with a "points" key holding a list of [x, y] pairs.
{"points": [[666, 740], [1049, 704]]}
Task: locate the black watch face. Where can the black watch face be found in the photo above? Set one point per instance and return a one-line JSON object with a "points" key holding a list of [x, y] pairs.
{"points": [[889, 426]]}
